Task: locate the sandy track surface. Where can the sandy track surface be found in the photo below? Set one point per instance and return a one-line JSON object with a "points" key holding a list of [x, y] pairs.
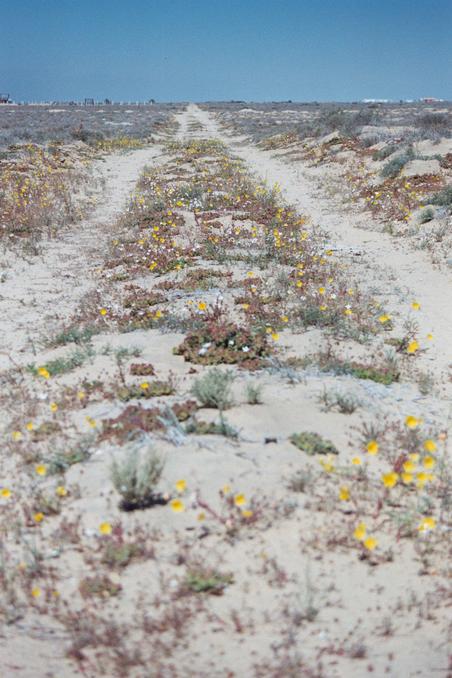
{"points": [[40, 292], [397, 274]]}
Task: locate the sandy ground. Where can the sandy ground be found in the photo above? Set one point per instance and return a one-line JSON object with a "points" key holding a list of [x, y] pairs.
{"points": [[39, 292], [381, 619], [398, 274]]}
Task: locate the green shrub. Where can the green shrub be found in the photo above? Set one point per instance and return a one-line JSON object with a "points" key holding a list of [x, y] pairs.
{"points": [[136, 478], [253, 394], [312, 443], [204, 580], [384, 153], [443, 198], [214, 389], [426, 215], [393, 167]]}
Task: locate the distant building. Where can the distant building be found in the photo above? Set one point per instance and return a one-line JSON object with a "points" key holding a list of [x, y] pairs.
{"points": [[375, 101], [89, 102], [4, 99], [430, 100]]}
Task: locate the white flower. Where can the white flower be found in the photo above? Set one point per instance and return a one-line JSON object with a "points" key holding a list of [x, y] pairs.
{"points": [[245, 349]]}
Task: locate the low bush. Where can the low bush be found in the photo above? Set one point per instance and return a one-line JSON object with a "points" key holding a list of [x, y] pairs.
{"points": [[136, 479], [214, 389]]}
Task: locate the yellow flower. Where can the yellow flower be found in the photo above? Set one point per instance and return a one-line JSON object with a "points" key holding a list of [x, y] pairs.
{"points": [[409, 466], [105, 528], [38, 517], [370, 543], [327, 465], [384, 318], [247, 513], [429, 462], [226, 489], [357, 461], [53, 407], [407, 478], [43, 372], [348, 311], [322, 290], [430, 337], [202, 305], [414, 456], [412, 347], [158, 314], [430, 446], [239, 500], [412, 422], [415, 305], [81, 395], [344, 493], [427, 524], [5, 493], [323, 307], [390, 479], [360, 531], [103, 311], [144, 385], [29, 426], [36, 592], [275, 336], [61, 491], [422, 478], [299, 283], [181, 485], [284, 319], [177, 505], [372, 447], [41, 469], [16, 436]]}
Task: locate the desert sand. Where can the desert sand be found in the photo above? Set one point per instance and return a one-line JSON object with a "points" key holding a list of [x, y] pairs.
{"points": [[261, 557]]}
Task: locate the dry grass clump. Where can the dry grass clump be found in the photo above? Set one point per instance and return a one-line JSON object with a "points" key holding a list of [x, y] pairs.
{"points": [[136, 477], [214, 389]]}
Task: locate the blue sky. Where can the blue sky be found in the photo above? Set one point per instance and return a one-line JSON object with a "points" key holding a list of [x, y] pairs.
{"points": [[197, 50]]}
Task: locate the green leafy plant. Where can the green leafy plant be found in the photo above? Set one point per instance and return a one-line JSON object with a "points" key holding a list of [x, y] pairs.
{"points": [[312, 443]]}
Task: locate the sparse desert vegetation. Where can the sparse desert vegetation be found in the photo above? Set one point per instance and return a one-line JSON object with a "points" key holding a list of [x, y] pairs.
{"points": [[225, 391]]}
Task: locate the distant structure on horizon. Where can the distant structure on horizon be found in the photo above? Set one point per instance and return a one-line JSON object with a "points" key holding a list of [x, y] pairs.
{"points": [[4, 98], [430, 100]]}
